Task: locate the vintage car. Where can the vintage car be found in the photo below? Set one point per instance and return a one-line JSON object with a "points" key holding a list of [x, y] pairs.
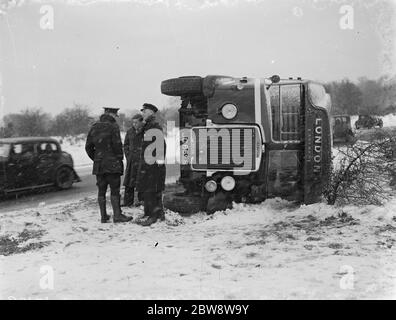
{"points": [[342, 129], [30, 163], [367, 121], [249, 139]]}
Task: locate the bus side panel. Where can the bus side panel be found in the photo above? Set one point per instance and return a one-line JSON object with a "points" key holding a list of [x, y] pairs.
{"points": [[317, 153]]}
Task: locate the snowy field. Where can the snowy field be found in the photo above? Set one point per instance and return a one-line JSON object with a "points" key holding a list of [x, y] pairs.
{"points": [[274, 250]]}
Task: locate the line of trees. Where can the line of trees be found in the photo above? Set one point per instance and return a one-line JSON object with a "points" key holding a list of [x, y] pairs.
{"points": [[36, 122], [70, 122], [377, 97]]}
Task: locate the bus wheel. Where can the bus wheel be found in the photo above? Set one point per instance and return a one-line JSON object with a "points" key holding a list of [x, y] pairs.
{"points": [[218, 202], [183, 203], [182, 86]]}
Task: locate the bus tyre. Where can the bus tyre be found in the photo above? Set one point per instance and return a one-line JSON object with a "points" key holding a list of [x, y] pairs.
{"points": [[182, 86], [64, 178], [218, 202], [182, 203]]}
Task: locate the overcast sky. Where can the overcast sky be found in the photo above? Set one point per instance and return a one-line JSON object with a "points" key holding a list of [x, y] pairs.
{"points": [[116, 53]]}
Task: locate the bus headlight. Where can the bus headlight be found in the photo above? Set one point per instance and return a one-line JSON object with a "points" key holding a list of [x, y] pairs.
{"points": [[228, 183], [211, 186], [229, 111]]}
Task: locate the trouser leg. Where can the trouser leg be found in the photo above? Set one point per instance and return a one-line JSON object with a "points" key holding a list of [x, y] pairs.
{"points": [[150, 205], [153, 204], [129, 196], [115, 183], [101, 183], [159, 206], [149, 200]]}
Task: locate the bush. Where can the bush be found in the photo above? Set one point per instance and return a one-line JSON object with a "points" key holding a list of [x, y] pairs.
{"points": [[363, 172]]}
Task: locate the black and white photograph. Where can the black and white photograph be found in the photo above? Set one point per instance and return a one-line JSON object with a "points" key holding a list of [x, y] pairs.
{"points": [[217, 150]]}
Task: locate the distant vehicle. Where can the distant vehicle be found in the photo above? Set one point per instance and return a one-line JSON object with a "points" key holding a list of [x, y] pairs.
{"points": [[342, 129], [31, 163], [367, 121]]}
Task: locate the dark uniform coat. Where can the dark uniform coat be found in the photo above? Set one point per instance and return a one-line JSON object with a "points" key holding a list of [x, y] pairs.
{"points": [[132, 149], [151, 177], [104, 147]]}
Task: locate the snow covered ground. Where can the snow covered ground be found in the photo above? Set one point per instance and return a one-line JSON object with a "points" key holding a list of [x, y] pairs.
{"points": [[267, 251]]}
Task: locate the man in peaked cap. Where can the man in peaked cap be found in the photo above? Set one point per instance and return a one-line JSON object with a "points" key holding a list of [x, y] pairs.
{"points": [[151, 175], [104, 147]]}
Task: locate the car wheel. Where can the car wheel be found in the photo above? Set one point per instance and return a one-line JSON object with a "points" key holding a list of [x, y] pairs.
{"points": [[182, 203], [64, 178], [182, 86]]}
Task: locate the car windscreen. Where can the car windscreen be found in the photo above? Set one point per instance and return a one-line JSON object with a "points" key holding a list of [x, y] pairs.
{"points": [[4, 151]]}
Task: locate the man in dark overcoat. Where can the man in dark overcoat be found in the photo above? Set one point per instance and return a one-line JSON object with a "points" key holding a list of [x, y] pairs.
{"points": [[104, 147], [132, 150], [152, 171]]}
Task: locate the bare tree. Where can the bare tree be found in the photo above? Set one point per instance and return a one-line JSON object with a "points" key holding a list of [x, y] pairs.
{"points": [[363, 172], [72, 121], [30, 122]]}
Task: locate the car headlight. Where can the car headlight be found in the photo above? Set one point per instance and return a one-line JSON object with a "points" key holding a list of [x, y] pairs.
{"points": [[228, 183], [211, 186], [229, 111]]}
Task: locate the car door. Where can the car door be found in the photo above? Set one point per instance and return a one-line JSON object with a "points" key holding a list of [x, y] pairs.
{"points": [[21, 172], [4, 158], [48, 157]]}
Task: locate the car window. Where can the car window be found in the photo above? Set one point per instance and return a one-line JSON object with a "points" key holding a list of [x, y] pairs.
{"points": [[17, 149], [4, 150], [24, 150], [54, 147], [47, 148]]}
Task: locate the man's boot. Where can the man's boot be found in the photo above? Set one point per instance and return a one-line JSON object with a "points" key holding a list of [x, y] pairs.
{"points": [[149, 221], [118, 216], [154, 216], [102, 206]]}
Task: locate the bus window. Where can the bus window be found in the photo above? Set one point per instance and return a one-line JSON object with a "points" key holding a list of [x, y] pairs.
{"points": [[285, 107], [275, 108], [290, 106]]}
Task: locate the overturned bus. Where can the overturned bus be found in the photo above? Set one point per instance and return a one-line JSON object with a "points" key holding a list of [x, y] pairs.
{"points": [[249, 139]]}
